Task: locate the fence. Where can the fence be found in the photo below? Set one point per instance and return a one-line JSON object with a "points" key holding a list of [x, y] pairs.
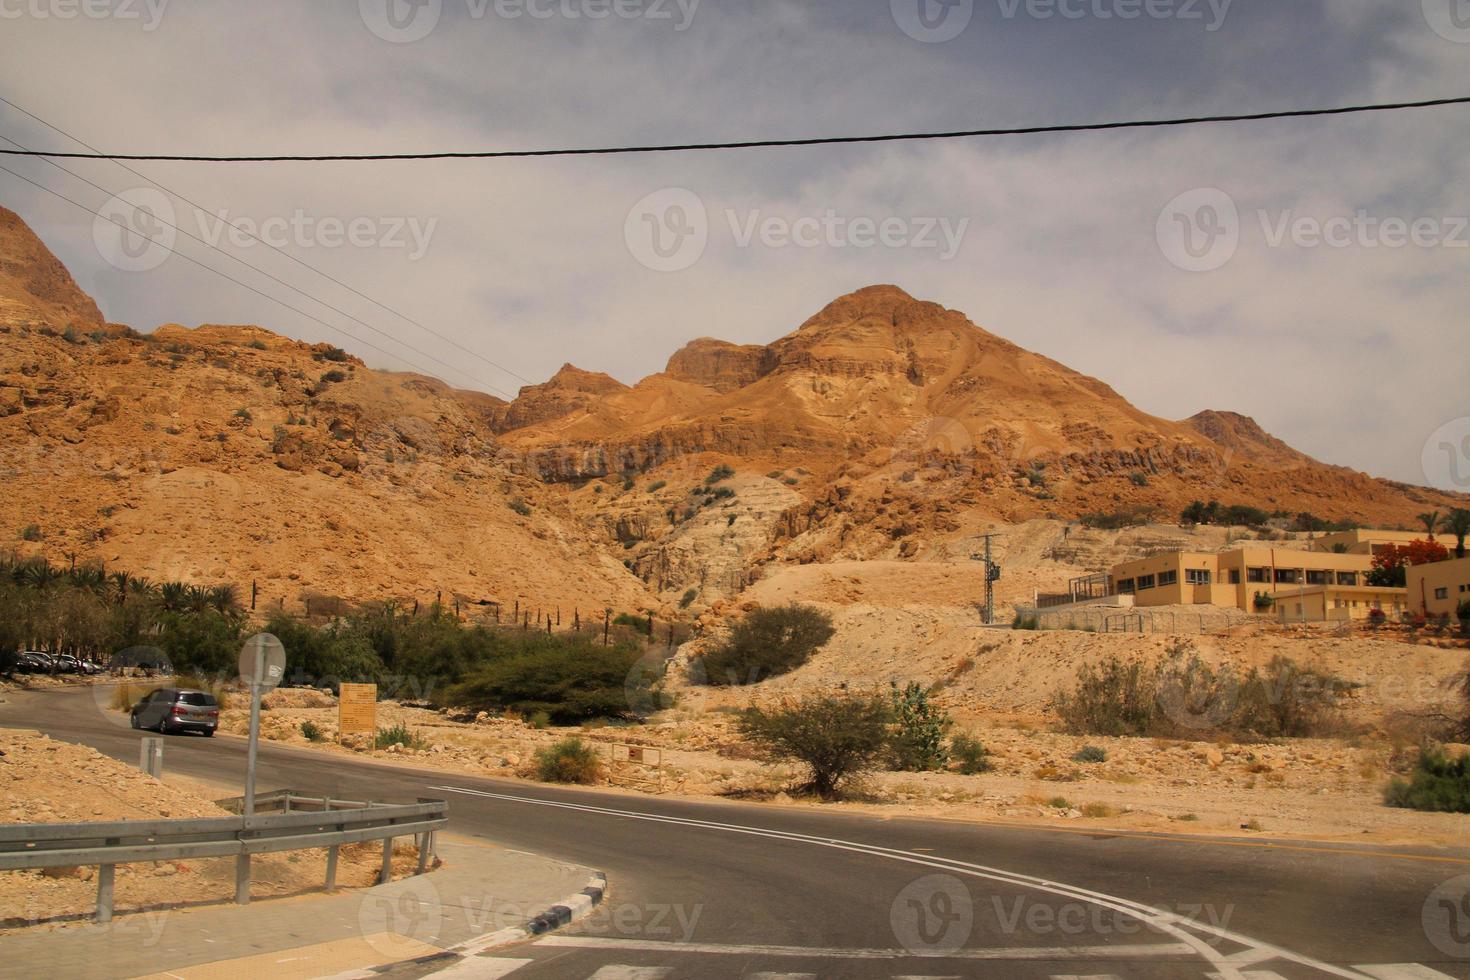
{"points": [[1107, 619], [289, 822]]}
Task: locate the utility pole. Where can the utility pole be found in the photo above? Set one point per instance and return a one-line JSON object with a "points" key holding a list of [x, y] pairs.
{"points": [[992, 575]]}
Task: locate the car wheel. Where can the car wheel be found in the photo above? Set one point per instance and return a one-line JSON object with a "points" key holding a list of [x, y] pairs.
{"points": [[133, 718], [209, 733]]}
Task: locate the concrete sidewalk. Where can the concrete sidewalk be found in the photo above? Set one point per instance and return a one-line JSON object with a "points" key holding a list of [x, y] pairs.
{"points": [[480, 889]]}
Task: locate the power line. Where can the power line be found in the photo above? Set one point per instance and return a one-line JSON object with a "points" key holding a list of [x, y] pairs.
{"points": [[757, 144], [291, 286], [299, 261], [225, 275]]}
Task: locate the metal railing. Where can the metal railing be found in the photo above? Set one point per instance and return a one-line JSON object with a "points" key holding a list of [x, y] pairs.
{"points": [[290, 822]]}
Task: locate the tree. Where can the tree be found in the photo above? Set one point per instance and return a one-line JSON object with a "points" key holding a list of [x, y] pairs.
{"points": [[1430, 520], [1459, 525], [919, 729], [767, 643], [836, 736], [1391, 564]]}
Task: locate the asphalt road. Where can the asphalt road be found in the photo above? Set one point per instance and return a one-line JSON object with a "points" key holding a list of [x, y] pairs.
{"points": [[703, 889]]}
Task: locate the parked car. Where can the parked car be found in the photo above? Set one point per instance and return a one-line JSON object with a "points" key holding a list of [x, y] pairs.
{"points": [[169, 710], [34, 662], [65, 663]]}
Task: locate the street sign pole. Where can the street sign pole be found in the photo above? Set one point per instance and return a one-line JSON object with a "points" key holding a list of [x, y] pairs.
{"points": [[255, 676]]}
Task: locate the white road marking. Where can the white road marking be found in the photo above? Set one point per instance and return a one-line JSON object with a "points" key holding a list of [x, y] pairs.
{"points": [[783, 976], [820, 952], [481, 968], [1251, 975], [1403, 971], [1078, 976], [619, 972], [1171, 923]]}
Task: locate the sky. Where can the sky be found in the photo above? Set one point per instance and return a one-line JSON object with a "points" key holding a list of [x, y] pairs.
{"points": [[1309, 273]]}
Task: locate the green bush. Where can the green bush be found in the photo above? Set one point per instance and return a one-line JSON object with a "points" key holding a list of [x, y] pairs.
{"points": [[837, 737], [31, 532], [719, 474], [397, 735], [1112, 698], [570, 682], [917, 741], [688, 598], [312, 732], [519, 506], [969, 755], [1438, 783], [767, 643], [1025, 622], [1090, 753], [569, 761]]}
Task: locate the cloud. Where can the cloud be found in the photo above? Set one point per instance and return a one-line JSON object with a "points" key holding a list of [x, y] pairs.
{"points": [[528, 266]]}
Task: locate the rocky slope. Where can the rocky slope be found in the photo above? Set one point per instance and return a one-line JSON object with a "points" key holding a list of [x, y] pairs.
{"points": [[884, 428]]}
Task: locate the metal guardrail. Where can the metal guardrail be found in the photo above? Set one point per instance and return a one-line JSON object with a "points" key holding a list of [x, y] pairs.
{"points": [[290, 822]]}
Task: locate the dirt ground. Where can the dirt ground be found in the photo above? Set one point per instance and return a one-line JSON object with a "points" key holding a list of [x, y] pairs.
{"points": [[46, 781], [1317, 788]]}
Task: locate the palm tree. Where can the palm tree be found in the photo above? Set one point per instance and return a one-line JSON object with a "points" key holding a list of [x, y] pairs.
{"points": [[174, 596], [122, 584], [224, 598], [196, 599], [1459, 526], [38, 574], [1430, 520]]}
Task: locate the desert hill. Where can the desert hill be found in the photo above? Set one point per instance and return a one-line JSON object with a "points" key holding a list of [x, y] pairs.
{"points": [[883, 428]]}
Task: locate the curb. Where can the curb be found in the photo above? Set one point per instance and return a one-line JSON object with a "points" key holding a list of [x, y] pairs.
{"points": [[567, 911]]}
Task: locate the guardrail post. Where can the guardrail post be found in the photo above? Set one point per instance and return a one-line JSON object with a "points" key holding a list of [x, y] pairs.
{"points": [[106, 874], [423, 842], [150, 757], [387, 873], [332, 868], [242, 879]]}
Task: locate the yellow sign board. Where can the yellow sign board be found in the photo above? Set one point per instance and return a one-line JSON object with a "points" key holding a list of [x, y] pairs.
{"points": [[357, 709]]}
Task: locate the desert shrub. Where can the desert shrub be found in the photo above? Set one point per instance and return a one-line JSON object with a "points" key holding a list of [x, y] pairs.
{"points": [[1090, 753], [1118, 519], [333, 377], [657, 485], [1438, 783], [539, 720], [1138, 478], [334, 354], [519, 506], [1111, 698], [767, 643], [917, 741], [569, 761], [31, 532], [1289, 701], [312, 732], [1025, 622], [124, 697], [719, 474], [837, 737], [570, 682], [688, 598], [397, 735], [969, 756]]}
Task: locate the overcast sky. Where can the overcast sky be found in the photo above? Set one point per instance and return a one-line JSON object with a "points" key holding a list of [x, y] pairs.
{"points": [[1311, 274]]}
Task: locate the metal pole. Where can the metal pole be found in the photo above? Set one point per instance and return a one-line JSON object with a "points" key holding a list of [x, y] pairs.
{"points": [[254, 727], [387, 871], [332, 867]]}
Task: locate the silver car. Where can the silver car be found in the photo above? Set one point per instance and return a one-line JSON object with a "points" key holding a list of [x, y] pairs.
{"points": [[171, 710]]}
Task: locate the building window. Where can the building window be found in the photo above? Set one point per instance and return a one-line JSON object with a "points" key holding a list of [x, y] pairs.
{"points": [[1145, 582], [1197, 576], [1168, 578], [1288, 576], [1347, 578], [1125, 586], [1442, 593], [1235, 576], [1257, 574], [1319, 578]]}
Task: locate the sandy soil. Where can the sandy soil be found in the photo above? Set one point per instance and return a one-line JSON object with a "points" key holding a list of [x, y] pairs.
{"points": [[46, 781]]}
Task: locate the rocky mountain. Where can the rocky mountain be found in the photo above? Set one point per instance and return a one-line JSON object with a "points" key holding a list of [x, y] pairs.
{"points": [[882, 428]]}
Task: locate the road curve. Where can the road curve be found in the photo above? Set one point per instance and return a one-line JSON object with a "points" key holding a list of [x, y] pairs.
{"points": [[710, 889]]}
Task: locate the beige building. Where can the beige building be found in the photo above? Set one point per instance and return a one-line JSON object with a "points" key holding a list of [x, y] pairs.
{"points": [[1310, 584], [1439, 588], [1365, 541]]}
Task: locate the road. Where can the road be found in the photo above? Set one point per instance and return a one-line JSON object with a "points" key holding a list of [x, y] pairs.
{"points": [[707, 889]]}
